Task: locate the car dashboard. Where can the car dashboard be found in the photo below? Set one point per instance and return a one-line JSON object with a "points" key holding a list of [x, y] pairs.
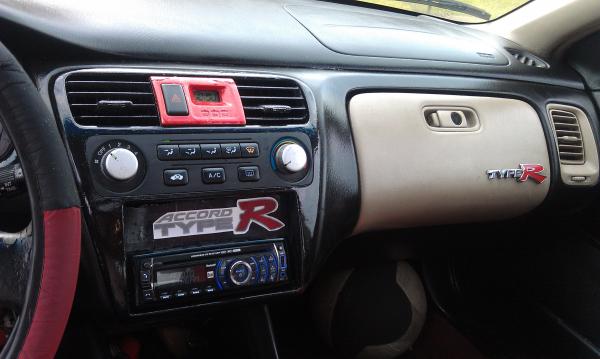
{"points": [[224, 161]]}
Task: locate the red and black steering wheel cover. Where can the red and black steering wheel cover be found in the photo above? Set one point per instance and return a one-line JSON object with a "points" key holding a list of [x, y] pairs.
{"points": [[56, 217]]}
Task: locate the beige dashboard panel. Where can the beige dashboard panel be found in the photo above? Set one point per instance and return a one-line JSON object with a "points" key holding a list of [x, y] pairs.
{"points": [[412, 175]]}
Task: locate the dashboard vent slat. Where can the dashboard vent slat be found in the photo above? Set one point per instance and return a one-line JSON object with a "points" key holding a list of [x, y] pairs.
{"points": [[528, 59], [568, 137], [112, 99], [272, 101]]}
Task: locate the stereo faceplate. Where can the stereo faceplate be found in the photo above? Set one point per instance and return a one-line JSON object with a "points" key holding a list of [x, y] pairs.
{"points": [[171, 279]]}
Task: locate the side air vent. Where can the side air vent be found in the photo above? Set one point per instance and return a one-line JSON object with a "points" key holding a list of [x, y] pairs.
{"points": [[576, 145], [272, 101], [98, 99], [528, 58], [568, 136]]}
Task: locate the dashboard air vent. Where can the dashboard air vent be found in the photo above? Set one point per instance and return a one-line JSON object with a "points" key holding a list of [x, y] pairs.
{"points": [[272, 101], [111, 99], [568, 136], [527, 58]]}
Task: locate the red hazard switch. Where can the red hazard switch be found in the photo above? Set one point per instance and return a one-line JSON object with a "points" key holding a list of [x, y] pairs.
{"points": [[198, 101]]}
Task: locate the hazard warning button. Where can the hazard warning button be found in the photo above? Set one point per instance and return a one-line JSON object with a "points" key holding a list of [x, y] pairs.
{"points": [[174, 100]]}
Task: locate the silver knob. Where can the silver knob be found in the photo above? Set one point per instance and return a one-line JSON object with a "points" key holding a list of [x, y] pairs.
{"points": [[120, 164], [243, 276], [291, 158]]}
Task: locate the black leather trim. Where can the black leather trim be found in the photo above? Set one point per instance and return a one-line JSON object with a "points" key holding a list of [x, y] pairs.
{"points": [[35, 136]]}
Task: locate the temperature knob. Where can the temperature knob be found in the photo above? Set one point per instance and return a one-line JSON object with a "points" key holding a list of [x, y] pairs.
{"points": [[120, 164], [290, 157]]}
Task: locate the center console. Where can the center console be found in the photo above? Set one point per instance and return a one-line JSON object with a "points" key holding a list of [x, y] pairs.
{"points": [[200, 187]]}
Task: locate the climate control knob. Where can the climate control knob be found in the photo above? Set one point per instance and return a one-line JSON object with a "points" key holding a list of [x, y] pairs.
{"points": [[240, 272], [290, 157], [120, 164]]}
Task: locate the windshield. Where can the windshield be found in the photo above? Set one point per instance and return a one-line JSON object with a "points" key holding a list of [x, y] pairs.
{"points": [[468, 11]]}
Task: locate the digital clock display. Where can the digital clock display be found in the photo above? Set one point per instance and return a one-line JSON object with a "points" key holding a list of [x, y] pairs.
{"points": [[206, 96], [181, 276]]}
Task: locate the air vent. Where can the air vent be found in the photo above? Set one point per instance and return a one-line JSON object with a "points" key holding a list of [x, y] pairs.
{"points": [[111, 99], [272, 101], [568, 137], [528, 58], [120, 99]]}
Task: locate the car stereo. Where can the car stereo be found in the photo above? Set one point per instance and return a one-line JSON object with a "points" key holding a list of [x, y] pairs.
{"points": [[180, 277]]}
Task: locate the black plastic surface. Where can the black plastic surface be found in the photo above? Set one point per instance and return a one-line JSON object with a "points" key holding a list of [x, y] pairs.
{"points": [[242, 32], [365, 33]]}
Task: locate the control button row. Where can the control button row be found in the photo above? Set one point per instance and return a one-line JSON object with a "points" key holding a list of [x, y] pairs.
{"points": [[206, 151], [257, 269], [179, 294], [213, 175]]}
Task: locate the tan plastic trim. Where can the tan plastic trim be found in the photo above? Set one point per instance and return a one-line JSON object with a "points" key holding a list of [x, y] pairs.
{"points": [[413, 176], [590, 167], [546, 27]]}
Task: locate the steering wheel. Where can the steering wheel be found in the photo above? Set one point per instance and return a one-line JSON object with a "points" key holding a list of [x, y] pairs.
{"points": [[38, 268]]}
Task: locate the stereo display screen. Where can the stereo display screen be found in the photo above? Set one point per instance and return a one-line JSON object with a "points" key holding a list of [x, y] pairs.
{"points": [[185, 276]]}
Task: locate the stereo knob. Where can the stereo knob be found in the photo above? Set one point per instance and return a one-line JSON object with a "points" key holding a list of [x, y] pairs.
{"points": [[120, 164], [240, 272], [290, 157]]}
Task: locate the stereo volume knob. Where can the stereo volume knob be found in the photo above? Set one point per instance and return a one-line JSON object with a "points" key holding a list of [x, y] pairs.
{"points": [[120, 164], [290, 157], [240, 272]]}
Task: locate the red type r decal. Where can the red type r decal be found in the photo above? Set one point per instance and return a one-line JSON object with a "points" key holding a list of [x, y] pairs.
{"points": [[219, 220], [533, 172], [257, 210], [522, 174]]}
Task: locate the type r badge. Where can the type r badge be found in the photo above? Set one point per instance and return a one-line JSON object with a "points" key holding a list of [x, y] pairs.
{"points": [[218, 220], [522, 174]]}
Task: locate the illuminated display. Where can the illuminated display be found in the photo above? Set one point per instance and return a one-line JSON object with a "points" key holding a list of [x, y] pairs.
{"points": [[181, 276], [206, 96]]}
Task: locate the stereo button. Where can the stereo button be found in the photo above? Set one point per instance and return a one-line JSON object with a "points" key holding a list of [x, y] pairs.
{"points": [[165, 296], [145, 277], [147, 296]]}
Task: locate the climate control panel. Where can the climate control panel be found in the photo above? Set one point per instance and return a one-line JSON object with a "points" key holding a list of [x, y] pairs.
{"points": [[164, 164]]}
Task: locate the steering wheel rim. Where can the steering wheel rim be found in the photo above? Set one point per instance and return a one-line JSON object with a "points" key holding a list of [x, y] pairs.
{"points": [[56, 217]]}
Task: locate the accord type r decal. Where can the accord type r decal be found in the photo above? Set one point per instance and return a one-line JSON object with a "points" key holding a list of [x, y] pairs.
{"points": [[522, 174], [218, 220]]}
